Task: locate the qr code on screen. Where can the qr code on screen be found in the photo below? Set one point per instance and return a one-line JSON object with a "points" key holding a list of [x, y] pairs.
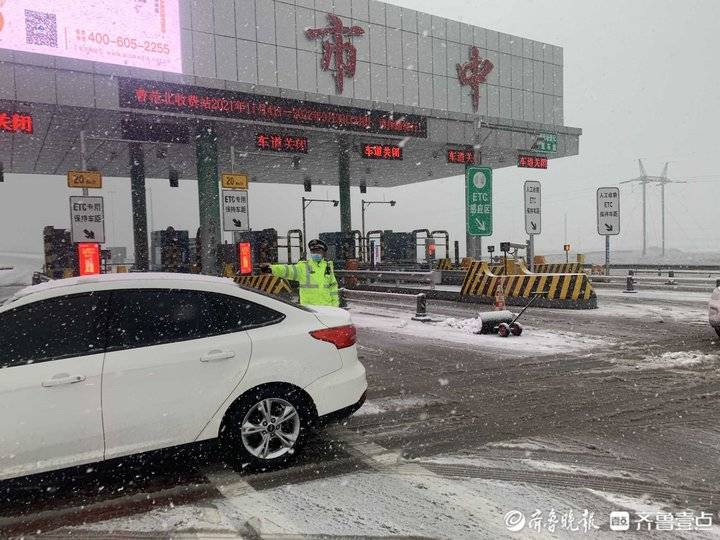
{"points": [[40, 28]]}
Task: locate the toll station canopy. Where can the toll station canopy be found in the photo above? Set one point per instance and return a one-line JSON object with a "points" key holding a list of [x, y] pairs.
{"points": [[286, 86]]}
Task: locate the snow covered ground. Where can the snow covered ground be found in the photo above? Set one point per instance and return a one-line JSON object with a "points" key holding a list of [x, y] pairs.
{"points": [[460, 332], [670, 360], [22, 271], [424, 497]]}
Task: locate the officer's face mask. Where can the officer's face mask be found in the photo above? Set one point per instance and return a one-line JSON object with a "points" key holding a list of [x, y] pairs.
{"points": [[317, 257]]}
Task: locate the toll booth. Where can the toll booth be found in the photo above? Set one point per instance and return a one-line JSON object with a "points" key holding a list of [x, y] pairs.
{"points": [[341, 246], [264, 245], [227, 255], [399, 247], [170, 250], [59, 252]]}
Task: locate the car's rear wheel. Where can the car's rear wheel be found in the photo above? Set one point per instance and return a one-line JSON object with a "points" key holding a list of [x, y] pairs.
{"points": [[266, 429]]}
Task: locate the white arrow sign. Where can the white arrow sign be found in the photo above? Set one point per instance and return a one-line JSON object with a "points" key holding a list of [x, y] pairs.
{"points": [[87, 219], [533, 218], [608, 211]]}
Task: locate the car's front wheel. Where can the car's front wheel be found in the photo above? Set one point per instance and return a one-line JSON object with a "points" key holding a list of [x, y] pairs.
{"points": [[266, 429]]}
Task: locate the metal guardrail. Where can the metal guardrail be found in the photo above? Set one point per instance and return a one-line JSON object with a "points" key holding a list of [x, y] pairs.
{"points": [[420, 300], [659, 280], [665, 267], [389, 276]]}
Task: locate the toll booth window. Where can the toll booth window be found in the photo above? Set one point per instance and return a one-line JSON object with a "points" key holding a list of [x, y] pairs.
{"points": [[64, 327], [233, 314]]}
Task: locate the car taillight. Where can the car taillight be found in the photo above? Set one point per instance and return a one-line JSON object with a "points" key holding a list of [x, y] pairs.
{"points": [[340, 336]]}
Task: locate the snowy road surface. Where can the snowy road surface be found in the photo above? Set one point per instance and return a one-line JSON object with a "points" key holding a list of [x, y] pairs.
{"points": [[462, 436]]}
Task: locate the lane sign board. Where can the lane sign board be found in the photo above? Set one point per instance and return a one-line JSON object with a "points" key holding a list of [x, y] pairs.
{"points": [[235, 181], [478, 200], [608, 211], [236, 216], [546, 143], [84, 179], [533, 217], [87, 219]]}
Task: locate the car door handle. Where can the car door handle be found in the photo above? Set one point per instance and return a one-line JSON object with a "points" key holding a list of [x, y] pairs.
{"points": [[217, 355], [65, 379]]}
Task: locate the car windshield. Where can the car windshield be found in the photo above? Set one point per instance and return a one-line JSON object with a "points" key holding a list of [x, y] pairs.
{"points": [[440, 269]]}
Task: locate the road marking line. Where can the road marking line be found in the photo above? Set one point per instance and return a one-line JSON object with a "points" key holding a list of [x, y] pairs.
{"points": [[227, 481], [231, 485]]}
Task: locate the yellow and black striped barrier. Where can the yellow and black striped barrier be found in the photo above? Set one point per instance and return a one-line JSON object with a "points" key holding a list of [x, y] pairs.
{"points": [[559, 268], [266, 283], [572, 291], [444, 264]]}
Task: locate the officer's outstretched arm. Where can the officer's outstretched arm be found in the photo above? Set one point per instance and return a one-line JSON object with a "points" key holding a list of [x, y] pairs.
{"points": [[287, 271]]}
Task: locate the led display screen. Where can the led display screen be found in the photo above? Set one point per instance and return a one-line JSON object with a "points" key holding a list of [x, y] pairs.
{"points": [[136, 33]]}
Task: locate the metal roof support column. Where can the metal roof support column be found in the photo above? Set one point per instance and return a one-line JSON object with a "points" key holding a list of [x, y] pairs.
{"points": [[208, 196], [344, 145], [139, 205]]}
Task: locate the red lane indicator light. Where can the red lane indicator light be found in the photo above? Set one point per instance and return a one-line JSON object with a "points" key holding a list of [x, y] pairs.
{"points": [[340, 336], [245, 258], [89, 259]]}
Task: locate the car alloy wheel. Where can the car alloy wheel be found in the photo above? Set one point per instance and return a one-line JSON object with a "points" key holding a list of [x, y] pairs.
{"points": [[270, 429]]}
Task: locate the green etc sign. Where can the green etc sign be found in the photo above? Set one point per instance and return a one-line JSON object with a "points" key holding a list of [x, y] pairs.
{"points": [[546, 143], [478, 194]]}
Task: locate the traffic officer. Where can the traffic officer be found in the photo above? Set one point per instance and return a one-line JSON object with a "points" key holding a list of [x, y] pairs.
{"points": [[316, 276]]}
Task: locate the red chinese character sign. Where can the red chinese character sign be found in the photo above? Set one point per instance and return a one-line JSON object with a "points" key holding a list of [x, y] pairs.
{"points": [[13, 122], [389, 152], [532, 162], [281, 143], [473, 74], [342, 53], [464, 156]]}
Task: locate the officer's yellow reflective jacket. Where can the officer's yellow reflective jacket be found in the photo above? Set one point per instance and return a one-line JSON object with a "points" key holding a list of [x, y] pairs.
{"points": [[318, 285]]}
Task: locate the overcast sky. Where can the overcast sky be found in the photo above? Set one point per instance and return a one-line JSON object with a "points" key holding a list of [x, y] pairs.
{"points": [[641, 80]]}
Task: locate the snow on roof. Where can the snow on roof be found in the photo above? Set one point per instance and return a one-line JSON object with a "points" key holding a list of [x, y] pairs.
{"points": [[135, 277]]}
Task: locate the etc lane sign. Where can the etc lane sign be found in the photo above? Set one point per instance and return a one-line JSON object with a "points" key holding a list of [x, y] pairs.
{"points": [[236, 216], [533, 217], [478, 195], [608, 211], [87, 219]]}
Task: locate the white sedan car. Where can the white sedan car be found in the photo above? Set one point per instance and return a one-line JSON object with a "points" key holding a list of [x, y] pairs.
{"points": [[100, 367], [714, 310]]}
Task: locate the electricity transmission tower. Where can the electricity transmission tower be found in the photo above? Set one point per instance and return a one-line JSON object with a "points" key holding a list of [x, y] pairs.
{"points": [[644, 179]]}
